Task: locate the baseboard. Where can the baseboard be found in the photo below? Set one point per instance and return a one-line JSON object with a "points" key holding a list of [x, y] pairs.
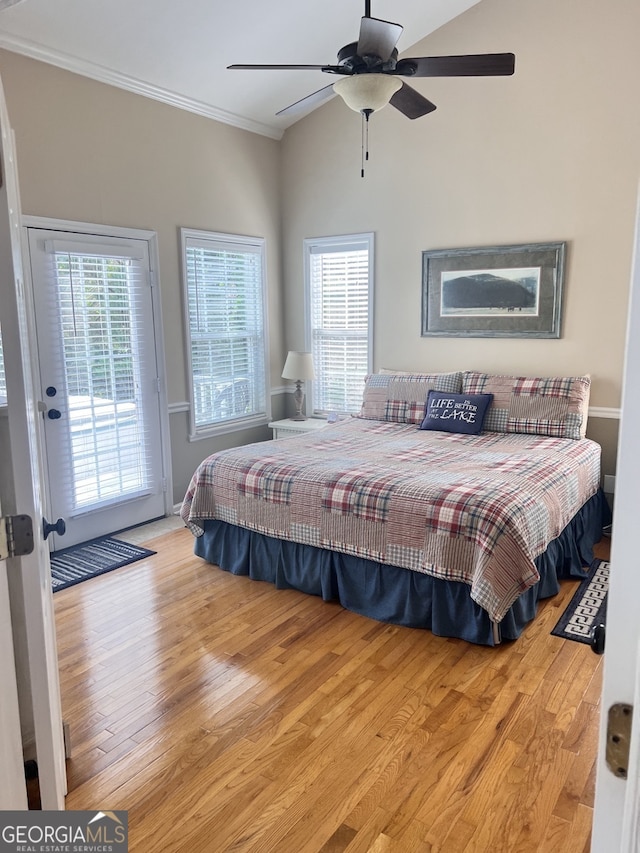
{"points": [[29, 744], [66, 734]]}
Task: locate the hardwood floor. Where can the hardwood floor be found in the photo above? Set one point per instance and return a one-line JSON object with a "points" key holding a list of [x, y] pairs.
{"points": [[226, 715]]}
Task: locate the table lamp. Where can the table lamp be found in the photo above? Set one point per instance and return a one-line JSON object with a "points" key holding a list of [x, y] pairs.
{"points": [[298, 366]]}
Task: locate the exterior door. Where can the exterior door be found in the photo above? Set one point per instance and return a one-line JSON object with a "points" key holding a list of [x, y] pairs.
{"points": [[617, 807], [27, 580], [99, 381]]}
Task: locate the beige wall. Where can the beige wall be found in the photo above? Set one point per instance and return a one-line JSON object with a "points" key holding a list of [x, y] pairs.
{"points": [[552, 153], [93, 153]]}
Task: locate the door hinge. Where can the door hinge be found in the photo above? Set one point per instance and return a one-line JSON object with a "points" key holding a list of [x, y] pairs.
{"points": [[16, 536], [164, 484], [619, 739]]}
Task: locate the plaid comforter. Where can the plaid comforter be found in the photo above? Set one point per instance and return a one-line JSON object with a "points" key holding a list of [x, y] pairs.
{"points": [[476, 509]]}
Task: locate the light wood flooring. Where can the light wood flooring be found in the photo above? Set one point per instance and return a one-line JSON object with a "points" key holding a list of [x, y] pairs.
{"points": [[226, 715]]}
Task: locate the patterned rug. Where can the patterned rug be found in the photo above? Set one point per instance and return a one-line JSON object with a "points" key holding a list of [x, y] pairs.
{"points": [[588, 607], [76, 564]]}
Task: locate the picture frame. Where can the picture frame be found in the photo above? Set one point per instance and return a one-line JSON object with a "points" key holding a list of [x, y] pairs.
{"points": [[494, 291]]}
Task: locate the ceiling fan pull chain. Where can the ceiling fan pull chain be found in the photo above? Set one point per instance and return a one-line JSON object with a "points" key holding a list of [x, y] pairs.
{"points": [[365, 138], [367, 113]]}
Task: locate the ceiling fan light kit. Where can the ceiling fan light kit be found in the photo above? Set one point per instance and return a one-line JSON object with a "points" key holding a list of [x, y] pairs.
{"points": [[367, 91], [369, 72]]}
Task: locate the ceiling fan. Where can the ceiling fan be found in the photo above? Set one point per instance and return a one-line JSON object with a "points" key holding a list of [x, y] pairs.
{"points": [[369, 72]]}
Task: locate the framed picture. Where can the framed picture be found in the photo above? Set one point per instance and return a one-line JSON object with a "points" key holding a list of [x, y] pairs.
{"points": [[493, 292]]}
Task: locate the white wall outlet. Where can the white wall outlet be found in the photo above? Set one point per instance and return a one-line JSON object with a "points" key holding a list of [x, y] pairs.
{"points": [[609, 483]]}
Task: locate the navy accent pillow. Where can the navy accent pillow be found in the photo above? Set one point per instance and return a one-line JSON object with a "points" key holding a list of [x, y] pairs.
{"points": [[455, 412]]}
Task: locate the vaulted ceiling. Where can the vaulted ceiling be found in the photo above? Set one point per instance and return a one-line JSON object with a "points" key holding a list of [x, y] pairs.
{"points": [[178, 52]]}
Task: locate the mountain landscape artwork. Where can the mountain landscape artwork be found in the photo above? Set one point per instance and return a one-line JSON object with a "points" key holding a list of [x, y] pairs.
{"points": [[490, 293], [493, 291]]}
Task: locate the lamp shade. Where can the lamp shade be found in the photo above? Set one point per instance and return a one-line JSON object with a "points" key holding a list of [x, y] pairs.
{"points": [[367, 91], [299, 365]]}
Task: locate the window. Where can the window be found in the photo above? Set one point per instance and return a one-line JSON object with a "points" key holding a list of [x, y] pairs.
{"points": [[339, 311], [226, 331]]}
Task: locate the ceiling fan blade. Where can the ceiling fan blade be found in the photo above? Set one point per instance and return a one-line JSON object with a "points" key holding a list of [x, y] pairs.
{"points": [[474, 65], [308, 102], [277, 67], [411, 103], [378, 38]]}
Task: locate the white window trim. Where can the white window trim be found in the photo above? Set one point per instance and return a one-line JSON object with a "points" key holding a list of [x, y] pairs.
{"points": [[238, 424], [342, 240]]}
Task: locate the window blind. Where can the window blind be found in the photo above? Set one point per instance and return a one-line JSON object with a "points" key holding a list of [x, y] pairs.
{"points": [[226, 330], [339, 278]]}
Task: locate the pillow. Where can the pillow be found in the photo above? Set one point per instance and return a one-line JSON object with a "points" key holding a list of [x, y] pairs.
{"points": [[462, 413], [401, 397], [553, 406]]}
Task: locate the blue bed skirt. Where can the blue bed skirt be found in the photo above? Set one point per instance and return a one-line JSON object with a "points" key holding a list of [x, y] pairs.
{"points": [[397, 595]]}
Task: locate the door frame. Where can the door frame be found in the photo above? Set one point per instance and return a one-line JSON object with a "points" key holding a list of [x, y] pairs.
{"points": [[28, 577], [151, 238]]}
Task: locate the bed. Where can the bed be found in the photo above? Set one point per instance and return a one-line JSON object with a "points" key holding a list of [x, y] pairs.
{"points": [[413, 524]]}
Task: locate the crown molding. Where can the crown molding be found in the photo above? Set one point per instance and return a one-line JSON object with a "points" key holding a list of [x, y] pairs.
{"points": [[131, 84]]}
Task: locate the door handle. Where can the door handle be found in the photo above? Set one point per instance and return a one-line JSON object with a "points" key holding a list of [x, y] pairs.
{"points": [[54, 414], [59, 527]]}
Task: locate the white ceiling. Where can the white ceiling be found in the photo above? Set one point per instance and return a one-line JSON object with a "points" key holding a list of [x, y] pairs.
{"points": [[177, 51]]}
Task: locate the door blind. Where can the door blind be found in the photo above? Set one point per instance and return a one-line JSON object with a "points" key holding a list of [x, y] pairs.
{"points": [[339, 321], [226, 330], [99, 321]]}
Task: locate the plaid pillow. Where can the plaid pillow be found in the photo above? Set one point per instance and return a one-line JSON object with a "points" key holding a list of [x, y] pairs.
{"points": [[554, 406], [401, 397]]}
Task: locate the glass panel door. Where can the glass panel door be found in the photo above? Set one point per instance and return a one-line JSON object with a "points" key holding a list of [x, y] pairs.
{"points": [[94, 319]]}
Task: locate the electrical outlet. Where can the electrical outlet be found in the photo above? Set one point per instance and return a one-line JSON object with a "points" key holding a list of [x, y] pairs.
{"points": [[609, 483]]}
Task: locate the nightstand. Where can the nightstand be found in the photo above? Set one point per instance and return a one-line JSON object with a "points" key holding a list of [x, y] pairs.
{"points": [[288, 427]]}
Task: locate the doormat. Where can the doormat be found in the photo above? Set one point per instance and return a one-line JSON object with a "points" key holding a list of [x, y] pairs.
{"points": [[588, 607], [89, 559]]}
